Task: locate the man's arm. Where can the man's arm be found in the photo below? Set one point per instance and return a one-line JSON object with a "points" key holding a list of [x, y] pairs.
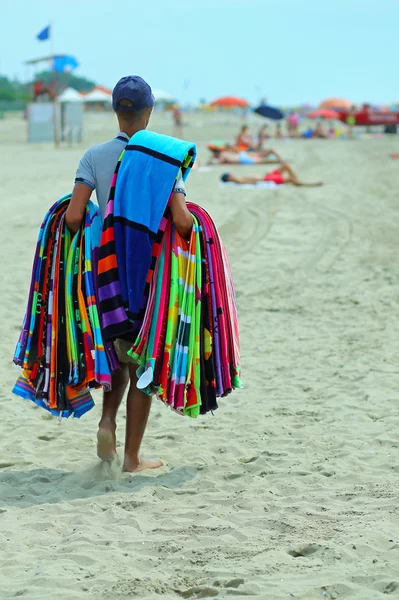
{"points": [[182, 218], [76, 209], [85, 183]]}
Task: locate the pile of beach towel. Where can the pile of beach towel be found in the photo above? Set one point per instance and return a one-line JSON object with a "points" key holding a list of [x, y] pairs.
{"points": [[173, 299], [60, 347], [188, 345]]}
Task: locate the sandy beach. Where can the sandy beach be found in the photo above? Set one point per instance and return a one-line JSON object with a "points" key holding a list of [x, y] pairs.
{"points": [[291, 489]]}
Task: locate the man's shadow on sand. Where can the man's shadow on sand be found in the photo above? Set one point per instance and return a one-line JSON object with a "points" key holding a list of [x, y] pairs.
{"points": [[52, 486]]}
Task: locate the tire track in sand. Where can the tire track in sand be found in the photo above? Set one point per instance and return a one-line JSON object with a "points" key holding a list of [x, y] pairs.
{"points": [[337, 233], [243, 231]]}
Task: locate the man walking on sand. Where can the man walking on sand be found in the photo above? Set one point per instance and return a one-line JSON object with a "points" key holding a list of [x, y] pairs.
{"points": [[133, 102]]}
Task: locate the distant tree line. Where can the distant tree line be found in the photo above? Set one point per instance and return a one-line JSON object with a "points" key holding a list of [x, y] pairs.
{"points": [[11, 90], [16, 91], [64, 80]]}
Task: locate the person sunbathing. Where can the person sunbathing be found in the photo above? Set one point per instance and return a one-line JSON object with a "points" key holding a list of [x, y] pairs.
{"points": [[244, 140], [319, 132], [280, 176], [230, 157]]}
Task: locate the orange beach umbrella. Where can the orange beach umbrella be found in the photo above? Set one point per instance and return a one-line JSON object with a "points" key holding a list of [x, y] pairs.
{"points": [[336, 103], [323, 113], [230, 102]]}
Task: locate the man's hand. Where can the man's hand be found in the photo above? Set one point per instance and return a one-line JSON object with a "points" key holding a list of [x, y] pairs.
{"points": [[76, 209], [182, 218]]}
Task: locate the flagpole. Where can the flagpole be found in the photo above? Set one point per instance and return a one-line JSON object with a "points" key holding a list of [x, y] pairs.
{"points": [[56, 123]]}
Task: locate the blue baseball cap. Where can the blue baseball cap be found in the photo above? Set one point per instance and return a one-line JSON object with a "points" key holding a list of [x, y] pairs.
{"points": [[135, 89]]}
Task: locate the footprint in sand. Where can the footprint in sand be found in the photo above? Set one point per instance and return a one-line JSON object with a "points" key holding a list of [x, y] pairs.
{"points": [[198, 592], [390, 588], [305, 551]]}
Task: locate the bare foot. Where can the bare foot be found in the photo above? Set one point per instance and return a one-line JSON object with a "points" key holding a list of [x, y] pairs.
{"points": [[106, 442], [131, 466]]}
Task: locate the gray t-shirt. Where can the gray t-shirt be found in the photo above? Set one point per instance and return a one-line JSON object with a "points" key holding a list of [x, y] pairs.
{"points": [[97, 166]]}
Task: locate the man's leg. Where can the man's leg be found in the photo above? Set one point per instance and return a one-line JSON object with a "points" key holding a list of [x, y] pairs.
{"points": [[291, 177], [272, 152], [285, 168], [137, 411], [106, 439]]}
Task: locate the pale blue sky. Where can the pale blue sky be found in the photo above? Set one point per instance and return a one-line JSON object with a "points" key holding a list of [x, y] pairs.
{"points": [[290, 51]]}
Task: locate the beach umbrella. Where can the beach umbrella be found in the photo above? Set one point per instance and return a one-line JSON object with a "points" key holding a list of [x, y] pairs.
{"points": [[230, 102], [97, 95], [269, 112], [323, 114], [70, 95], [336, 103]]}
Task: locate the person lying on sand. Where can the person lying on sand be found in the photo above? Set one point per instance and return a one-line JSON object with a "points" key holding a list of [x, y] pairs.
{"points": [[246, 158], [280, 176], [133, 102]]}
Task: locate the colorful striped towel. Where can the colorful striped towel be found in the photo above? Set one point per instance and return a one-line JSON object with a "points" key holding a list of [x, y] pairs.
{"points": [[60, 348], [188, 346], [133, 220]]}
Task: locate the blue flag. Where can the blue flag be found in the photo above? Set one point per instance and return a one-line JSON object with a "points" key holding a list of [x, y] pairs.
{"points": [[44, 34], [63, 64]]}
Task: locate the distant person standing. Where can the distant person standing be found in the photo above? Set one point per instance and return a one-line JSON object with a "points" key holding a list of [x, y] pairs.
{"points": [[278, 133], [351, 121], [293, 122], [178, 122], [263, 135]]}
